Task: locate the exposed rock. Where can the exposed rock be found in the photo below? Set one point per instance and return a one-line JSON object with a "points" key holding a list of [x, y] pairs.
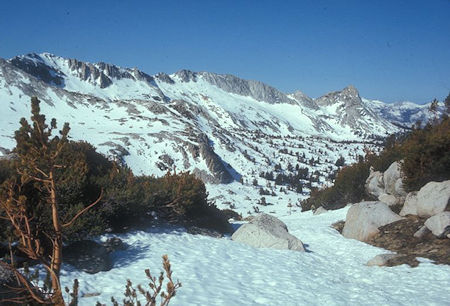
{"points": [[363, 219], [87, 255], [392, 179], [421, 232], [381, 260], [194, 230], [399, 237], [266, 231], [255, 89], [374, 183], [389, 199], [220, 174], [34, 65], [319, 211], [339, 226], [439, 224], [430, 200], [114, 244]]}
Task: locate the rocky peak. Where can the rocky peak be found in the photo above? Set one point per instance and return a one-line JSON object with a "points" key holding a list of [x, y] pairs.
{"points": [[186, 75], [349, 96], [36, 66]]}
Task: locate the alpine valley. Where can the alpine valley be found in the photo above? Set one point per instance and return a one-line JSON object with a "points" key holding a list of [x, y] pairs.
{"points": [[224, 129]]}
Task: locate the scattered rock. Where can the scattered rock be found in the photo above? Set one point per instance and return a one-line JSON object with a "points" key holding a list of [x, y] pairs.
{"points": [[381, 260], [319, 211], [114, 244], [399, 237], [87, 255], [439, 224], [430, 200], [266, 231], [363, 219], [194, 230]]}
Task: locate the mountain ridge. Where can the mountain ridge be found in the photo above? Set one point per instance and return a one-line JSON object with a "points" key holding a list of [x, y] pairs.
{"points": [[220, 127]]}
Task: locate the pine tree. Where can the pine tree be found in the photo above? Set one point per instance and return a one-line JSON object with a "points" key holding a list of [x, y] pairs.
{"points": [[35, 215]]}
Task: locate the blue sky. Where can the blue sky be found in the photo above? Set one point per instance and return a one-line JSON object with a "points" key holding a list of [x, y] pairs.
{"points": [[390, 50]]}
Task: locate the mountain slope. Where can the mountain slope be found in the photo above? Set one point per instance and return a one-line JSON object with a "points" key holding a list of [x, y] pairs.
{"points": [[220, 127]]}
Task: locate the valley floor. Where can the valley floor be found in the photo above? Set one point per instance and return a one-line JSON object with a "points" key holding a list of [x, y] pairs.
{"points": [[223, 272]]}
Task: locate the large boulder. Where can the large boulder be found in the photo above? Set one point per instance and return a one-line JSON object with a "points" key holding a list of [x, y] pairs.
{"points": [[363, 219], [430, 200], [374, 183], [88, 256], [266, 231], [392, 179], [439, 224]]}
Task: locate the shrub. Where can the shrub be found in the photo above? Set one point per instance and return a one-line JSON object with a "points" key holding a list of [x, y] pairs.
{"points": [[427, 155]]}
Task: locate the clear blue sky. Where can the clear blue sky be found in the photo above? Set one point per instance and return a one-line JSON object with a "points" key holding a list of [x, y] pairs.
{"points": [[390, 50]]}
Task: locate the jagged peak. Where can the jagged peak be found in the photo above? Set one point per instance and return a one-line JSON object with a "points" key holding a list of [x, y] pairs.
{"points": [[349, 96], [350, 90]]}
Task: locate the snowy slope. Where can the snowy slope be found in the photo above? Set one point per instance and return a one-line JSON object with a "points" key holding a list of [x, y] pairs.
{"points": [[220, 127], [223, 272]]}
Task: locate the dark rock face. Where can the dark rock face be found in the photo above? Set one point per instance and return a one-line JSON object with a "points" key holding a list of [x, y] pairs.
{"points": [[165, 78], [33, 64], [399, 237], [88, 256], [213, 161], [187, 75]]}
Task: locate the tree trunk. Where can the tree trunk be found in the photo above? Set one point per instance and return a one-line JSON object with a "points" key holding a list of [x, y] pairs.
{"points": [[56, 260]]}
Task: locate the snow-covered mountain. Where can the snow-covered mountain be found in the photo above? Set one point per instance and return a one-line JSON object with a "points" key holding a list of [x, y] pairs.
{"points": [[218, 126]]}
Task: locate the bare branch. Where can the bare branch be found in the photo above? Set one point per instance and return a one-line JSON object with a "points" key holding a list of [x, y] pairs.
{"points": [[83, 211]]}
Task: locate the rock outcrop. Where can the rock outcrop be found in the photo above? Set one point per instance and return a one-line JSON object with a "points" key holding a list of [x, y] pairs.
{"points": [[266, 231], [363, 219], [392, 179], [431, 199], [387, 187], [375, 184]]}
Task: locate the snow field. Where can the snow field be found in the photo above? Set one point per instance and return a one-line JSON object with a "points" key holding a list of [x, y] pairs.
{"points": [[224, 272]]}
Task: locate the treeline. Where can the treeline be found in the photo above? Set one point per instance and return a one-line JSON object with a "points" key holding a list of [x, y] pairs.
{"points": [[425, 155]]}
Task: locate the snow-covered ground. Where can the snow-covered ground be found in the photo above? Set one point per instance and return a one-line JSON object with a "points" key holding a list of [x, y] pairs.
{"points": [[224, 272]]}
